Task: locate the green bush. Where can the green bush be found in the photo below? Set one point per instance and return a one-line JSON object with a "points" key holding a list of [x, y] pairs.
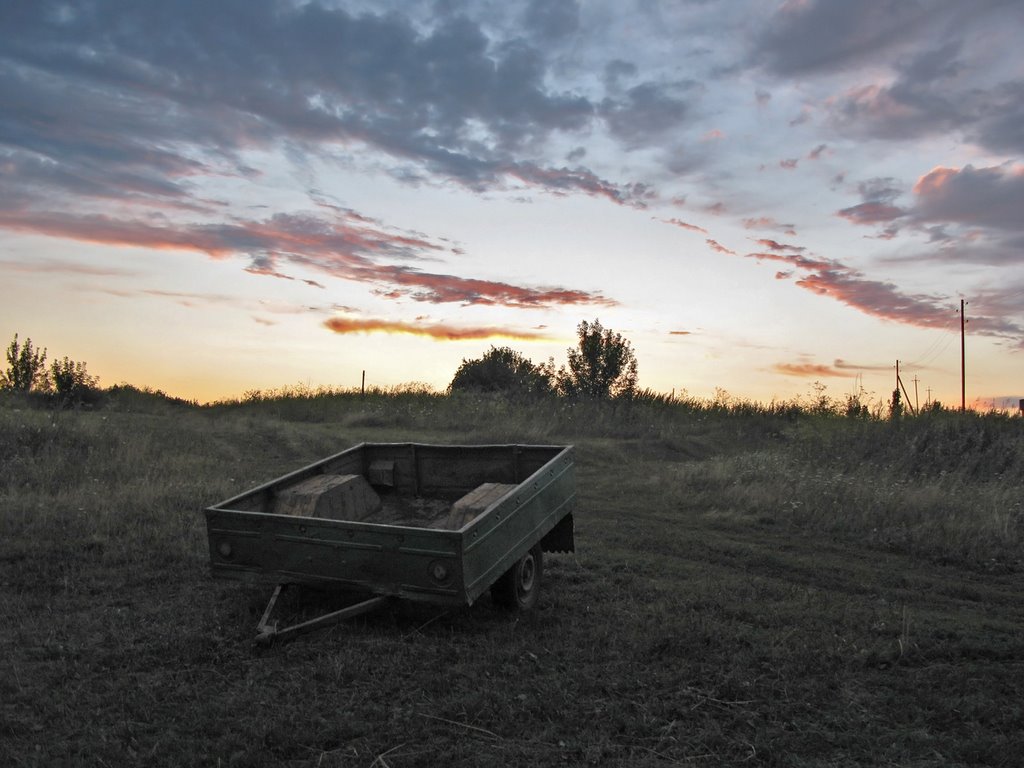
{"points": [[72, 384], [502, 370]]}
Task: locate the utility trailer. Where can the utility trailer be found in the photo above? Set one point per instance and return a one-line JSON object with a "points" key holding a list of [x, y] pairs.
{"points": [[432, 523]]}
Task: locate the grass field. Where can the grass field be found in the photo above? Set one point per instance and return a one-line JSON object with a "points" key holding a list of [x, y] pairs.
{"points": [[752, 586]]}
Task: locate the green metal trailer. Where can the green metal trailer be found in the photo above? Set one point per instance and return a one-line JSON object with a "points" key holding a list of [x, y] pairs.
{"points": [[434, 523]]}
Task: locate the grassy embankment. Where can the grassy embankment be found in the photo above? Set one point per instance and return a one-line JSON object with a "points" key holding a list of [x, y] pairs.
{"points": [[752, 585]]}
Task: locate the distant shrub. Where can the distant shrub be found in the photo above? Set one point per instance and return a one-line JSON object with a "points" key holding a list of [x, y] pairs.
{"points": [[72, 385], [895, 406], [126, 397], [502, 370]]}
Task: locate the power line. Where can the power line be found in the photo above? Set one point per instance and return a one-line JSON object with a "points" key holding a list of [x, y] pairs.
{"points": [[937, 347]]}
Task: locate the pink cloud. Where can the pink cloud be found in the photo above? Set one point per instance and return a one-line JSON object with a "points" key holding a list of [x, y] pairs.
{"points": [[795, 259], [777, 246], [684, 225], [879, 299], [719, 248], [65, 268], [883, 300], [843, 365], [871, 213], [439, 288], [807, 370], [767, 222], [439, 331], [344, 248]]}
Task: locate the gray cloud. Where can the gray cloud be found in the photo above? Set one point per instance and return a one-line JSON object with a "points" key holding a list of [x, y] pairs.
{"points": [[903, 110], [140, 104], [933, 90], [971, 214], [877, 206], [1001, 123], [552, 19], [821, 35], [615, 72], [974, 197], [201, 80], [907, 110], [879, 190], [645, 112]]}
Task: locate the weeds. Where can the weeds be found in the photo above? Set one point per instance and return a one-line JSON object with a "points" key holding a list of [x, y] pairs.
{"points": [[753, 584]]}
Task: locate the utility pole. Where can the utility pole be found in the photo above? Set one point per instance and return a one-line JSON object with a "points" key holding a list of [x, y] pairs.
{"points": [[917, 405], [899, 385], [963, 369], [929, 400]]}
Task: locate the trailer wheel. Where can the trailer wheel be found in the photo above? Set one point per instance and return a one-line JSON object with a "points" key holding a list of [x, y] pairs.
{"points": [[519, 587]]}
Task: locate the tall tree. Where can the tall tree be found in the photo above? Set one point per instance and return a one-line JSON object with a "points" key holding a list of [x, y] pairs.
{"points": [[601, 366], [26, 367]]}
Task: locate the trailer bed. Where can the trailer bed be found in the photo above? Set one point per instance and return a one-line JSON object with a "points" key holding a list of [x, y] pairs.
{"points": [[433, 523]]}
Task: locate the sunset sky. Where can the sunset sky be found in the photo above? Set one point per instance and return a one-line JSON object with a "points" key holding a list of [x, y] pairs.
{"points": [[218, 196]]}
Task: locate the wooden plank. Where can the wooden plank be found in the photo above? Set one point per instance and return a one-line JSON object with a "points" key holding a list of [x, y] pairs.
{"points": [[382, 472], [475, 502], [336, 497], [416, 512]]}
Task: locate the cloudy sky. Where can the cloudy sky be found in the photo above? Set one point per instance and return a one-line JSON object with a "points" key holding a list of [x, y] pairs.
{"points": [[211, 197]]}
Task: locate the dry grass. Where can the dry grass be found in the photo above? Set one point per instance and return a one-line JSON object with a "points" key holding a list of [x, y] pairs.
{"points": [[751, 588]]}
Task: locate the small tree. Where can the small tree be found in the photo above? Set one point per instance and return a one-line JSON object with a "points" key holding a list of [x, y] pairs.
{"points": [[72, 384], [896, 405], [601, 366], [820, 402], [26, 367], [502, 369], [855, 407]]}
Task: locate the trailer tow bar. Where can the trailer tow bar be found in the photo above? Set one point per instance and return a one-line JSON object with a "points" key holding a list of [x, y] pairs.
{"points": [[267, 630]]}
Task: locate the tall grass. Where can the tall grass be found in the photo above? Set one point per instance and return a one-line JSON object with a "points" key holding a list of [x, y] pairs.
{"points": [[731, 600], [944, 485]]}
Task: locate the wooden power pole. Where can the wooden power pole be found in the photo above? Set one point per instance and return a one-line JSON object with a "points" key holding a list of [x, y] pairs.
{"points": [[963, 369], [899, 386]]}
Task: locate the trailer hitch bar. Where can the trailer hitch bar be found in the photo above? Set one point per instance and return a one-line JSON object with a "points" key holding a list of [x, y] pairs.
{"points": [[267, 630]]}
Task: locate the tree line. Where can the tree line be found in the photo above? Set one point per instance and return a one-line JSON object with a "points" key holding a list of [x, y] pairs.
{"points": [[602, 366], [65, 382]]}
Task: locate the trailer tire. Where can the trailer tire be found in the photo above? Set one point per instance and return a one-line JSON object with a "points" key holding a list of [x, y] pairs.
{"points": [[519, 587]]}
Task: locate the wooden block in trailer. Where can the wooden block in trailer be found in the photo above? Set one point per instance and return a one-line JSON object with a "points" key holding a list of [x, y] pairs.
{"points": [[336, 497], [475, 502]]}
